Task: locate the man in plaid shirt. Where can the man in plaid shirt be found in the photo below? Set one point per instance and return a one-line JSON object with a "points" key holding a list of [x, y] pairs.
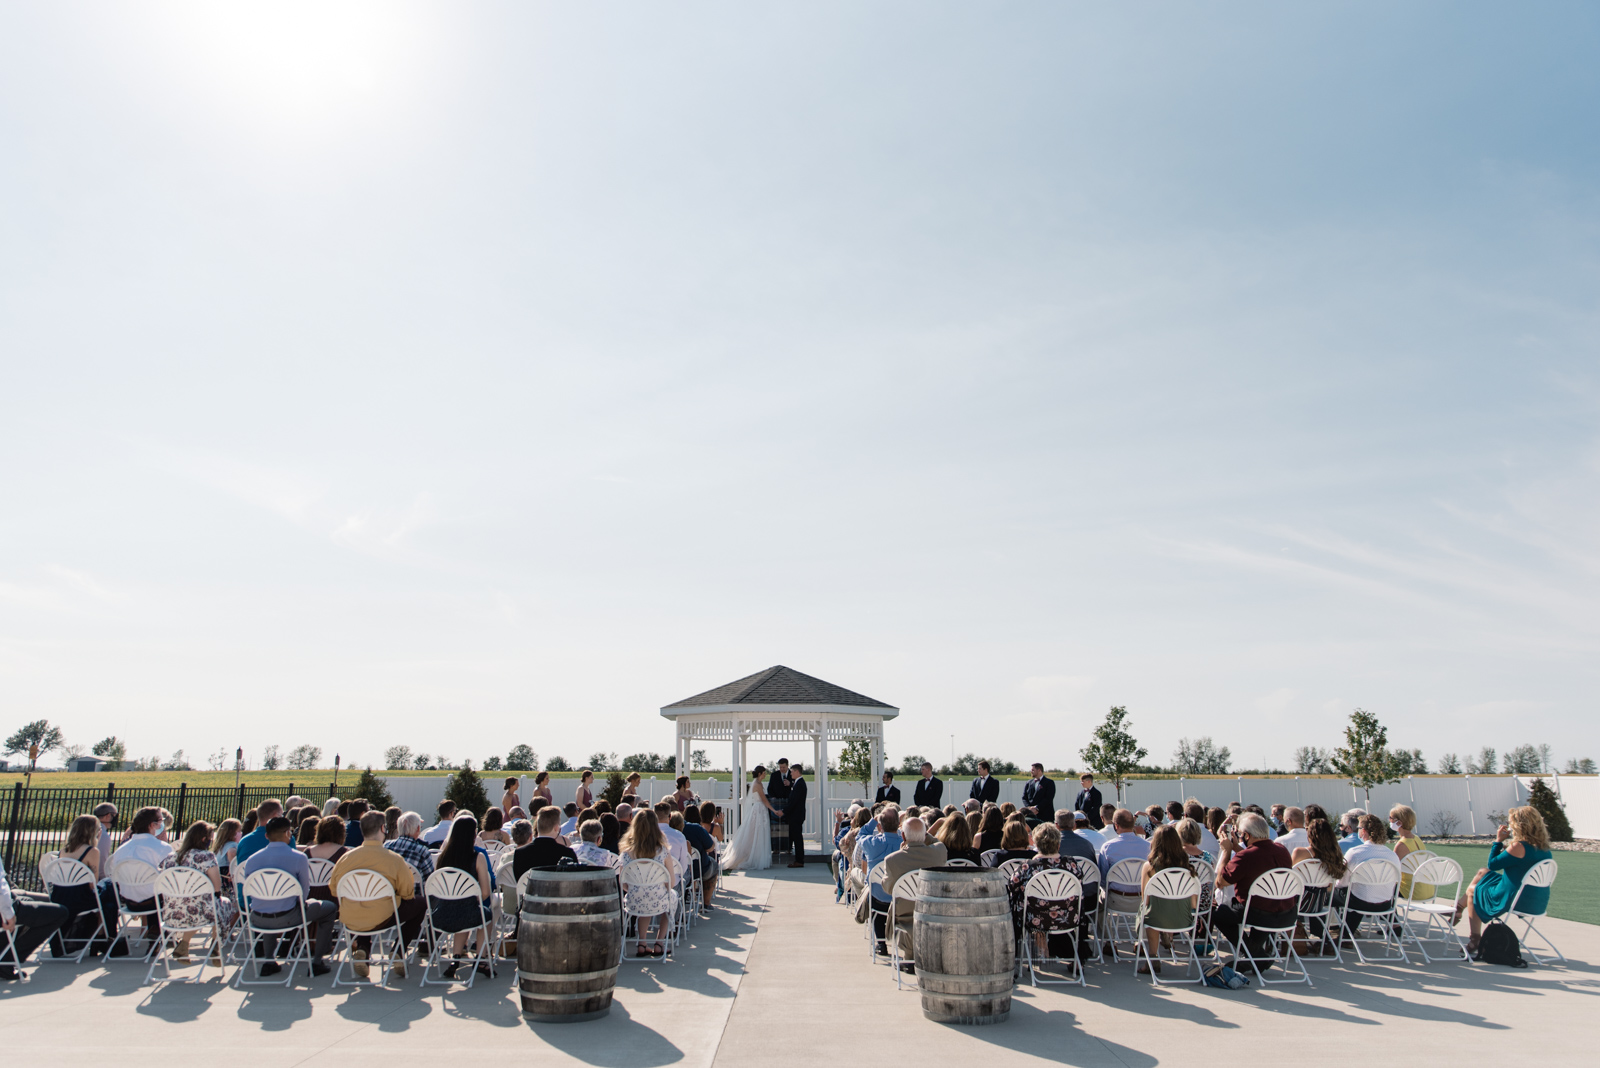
{"points": [[411, 847]]}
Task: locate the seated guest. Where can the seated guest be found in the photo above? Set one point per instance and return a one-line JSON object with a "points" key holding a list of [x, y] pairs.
{"points": [[330, 807], [546, 850], [1174, 811], [391, 822], [1520, 844], [1322, 845], [27, 920], [462, 852], [1350, 829], [256, 838], [872, 848], [194, 851], [1189, 834], [1293, 835], [1194, 810], [1015, 844], [1154, 816], [625, 816], [330, 841], [407, 844], [711, 819], [1403, 830], [1166, 851], [683, 796], [315, 916], [1108, 826], [515, 814], [956, 838], [1071, 844], [677, 844], [436, 834], [701, 841], [494, 828], [1127, 845], [588, 850], [1315, 811], [915, 852], [610, 833], [305, 835], [521, 834], [974, 822], [1374, 849], [1053, 921], [1085, 830], [1007, 809], [972, 804], [251, 818], [1275, 820], [344, 810], [1215, 818], [106, 814], [352, 824], [989, 832], [1247, 854], [364, 916], [847, 849], [83, 845], [645, 842], [570, 823], [144, 844]]}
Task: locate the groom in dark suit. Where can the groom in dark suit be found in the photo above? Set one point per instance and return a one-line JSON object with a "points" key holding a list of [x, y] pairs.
{"points": [[795, 815]]}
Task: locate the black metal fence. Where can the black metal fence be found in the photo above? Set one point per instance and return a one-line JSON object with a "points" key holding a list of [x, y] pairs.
{"points": [[37, 820]]}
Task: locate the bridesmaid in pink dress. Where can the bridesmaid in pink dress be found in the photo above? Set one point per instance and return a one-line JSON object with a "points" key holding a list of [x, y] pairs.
{"points": [[541, 787], [585, 796]]}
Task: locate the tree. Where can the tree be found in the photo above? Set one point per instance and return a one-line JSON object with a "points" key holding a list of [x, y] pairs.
{"points": [[615, 787], [492, 764], [967, 764], [271, 760], [1410, 762], [1522, 760], [1310, 760], [111, 748], [911, 764], [522, 758], [602, 761], [855, 763], [217, 761], [397, 757], [466, 790], [420, 762], [1449, 764], [639, 762], [443, 763], [177, 762], [305, 757], [1200, 757], [558, 763], [1114, 751], [1364, 758], [1546, 757], [39, 733], [1542, 798], [1580, 767], [1485, 763], [374, 789], [698, 760]]}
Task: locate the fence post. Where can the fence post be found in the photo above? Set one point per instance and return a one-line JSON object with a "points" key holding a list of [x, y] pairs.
{"points": [[238, 803], [183, 802], [1472, 816], [111, 792], [11, 824]]}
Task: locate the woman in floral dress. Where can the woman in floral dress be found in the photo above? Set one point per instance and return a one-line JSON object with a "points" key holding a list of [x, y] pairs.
{"points": [[201, 910]]}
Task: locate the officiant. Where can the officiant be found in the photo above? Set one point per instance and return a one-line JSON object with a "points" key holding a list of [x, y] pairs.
{"points": [[778, 795]]}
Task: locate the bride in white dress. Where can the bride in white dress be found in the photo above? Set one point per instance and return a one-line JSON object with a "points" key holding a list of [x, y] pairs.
{"points": [[751, 848]]}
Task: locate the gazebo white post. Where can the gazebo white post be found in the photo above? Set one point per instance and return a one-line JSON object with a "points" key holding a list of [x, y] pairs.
{"points": [[877, 758], [822, 775], [822, 800], [736, 774]]}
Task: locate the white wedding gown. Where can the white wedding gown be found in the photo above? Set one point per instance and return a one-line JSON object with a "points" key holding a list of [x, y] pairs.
{"points": [[751, 848]]}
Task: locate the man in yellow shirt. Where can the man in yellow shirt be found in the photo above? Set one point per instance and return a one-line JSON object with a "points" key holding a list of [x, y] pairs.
{"points": [[378, 915]]}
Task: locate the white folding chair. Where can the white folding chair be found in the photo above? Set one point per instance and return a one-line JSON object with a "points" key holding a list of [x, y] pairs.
{"points": [[1428, 908], [387, 949], [960, 862], [647, 893], [1316, 904], [68, 873], [1121, 910], [172, 886], [453, 884], [1381, 881], [1171, 884], [506, 904], [272, 884], [321, 873], [874, 910], [1207, 875], [1047, 888], [494, 849], [1279, 884], [126, 876], [906, 888], [1542, 874]]}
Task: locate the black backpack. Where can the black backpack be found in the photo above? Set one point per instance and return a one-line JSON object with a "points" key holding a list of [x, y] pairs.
{"points": [[1499, 945]]}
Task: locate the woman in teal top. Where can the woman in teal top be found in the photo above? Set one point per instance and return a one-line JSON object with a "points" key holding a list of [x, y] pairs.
{"points": [[1495, 887]]}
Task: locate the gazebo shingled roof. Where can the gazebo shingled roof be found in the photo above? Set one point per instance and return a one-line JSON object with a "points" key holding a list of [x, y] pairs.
{"points": [[779, 685]]}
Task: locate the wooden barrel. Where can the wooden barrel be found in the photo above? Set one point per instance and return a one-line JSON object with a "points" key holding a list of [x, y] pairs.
{"points": [[569, 942], [964, 946]]}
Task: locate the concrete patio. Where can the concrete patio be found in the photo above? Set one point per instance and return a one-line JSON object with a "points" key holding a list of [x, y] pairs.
{"points": [[782, 965]]}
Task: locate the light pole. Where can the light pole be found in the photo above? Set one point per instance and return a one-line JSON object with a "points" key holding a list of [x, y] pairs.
{"points": [[33, 758], [336, 774], [238, 765]]}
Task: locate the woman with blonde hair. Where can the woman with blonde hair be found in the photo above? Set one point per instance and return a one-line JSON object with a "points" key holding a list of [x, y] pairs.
{"points": [[1495, 887], [194, 851], [644, 841], [1166, 851], [1403, 829]]}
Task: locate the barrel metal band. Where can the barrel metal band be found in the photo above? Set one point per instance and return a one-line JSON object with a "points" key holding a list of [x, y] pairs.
{"points": [[591, 917], [937, 918], [564, 977], [993, 977], [570, 900], [603, 992]]}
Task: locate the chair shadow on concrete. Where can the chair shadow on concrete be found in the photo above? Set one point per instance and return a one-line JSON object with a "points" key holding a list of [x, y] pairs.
{"points": [[613, 1041], [1055, 1035], [387, 1010]]}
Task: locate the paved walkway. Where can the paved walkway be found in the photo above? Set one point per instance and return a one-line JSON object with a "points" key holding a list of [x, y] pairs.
{"points": [[781, 964]]}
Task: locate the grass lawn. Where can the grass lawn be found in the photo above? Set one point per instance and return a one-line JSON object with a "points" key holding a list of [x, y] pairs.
{"points": [[317, 777], [1576, 893]]}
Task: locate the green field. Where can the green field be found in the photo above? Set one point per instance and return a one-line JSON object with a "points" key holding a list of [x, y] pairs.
{"points": [[1576, 893], [317, 777]]}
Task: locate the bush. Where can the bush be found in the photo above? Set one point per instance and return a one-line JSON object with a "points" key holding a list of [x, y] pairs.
{"points": [[492, 764], [1444, 823], [557, 763], [374, 789], [466, 790], [615, 784], [1542, 798]]}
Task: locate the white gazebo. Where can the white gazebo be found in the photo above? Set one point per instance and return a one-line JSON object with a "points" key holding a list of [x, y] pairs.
{"points": [[780, 705]]}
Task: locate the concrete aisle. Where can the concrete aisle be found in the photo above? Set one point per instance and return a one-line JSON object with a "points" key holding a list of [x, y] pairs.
{"points": [[809, 981]]}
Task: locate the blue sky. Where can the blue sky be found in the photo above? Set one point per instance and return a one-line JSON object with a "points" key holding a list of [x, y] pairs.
{"points": [[467, 376]]}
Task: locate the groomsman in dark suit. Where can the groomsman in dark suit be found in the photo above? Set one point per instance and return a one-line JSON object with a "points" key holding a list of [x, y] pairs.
{"points": [[1089, 801], [1039, 797], [929, 790], [889, 791], [985, 788]]}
